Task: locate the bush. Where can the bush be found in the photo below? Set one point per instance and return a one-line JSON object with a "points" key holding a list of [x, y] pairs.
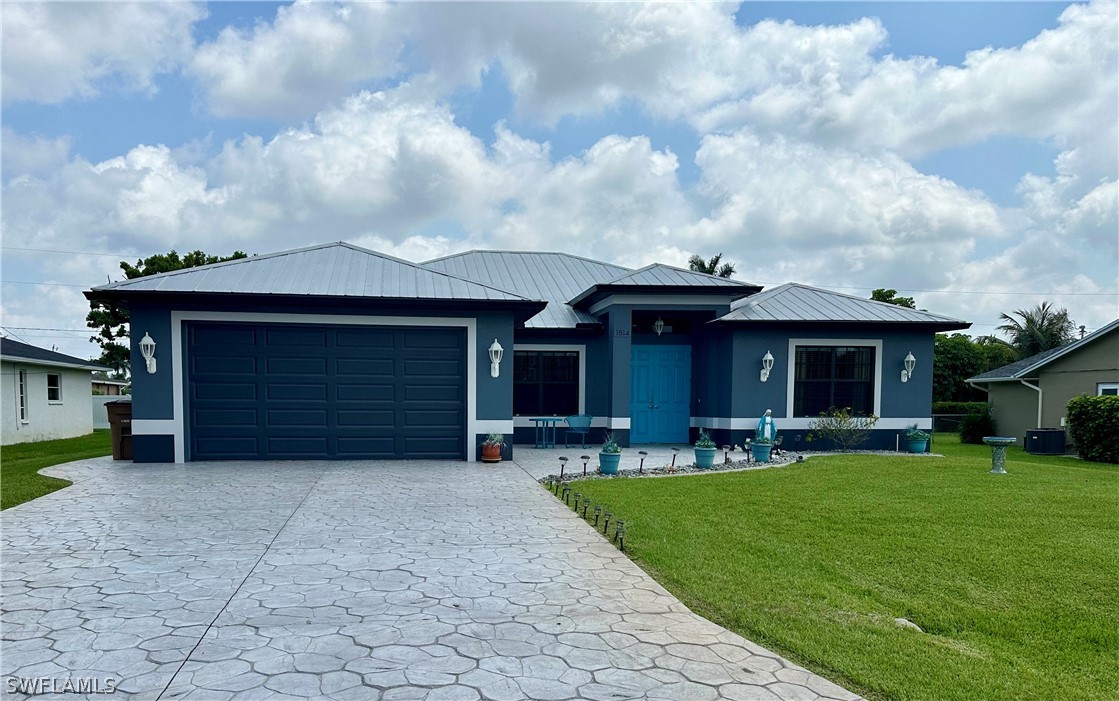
{"points": [[846, 432], [974, 427], [1093, 425], [959, 407]]}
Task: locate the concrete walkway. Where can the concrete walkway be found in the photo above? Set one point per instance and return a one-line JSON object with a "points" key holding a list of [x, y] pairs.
{"points": [[364, 580]]}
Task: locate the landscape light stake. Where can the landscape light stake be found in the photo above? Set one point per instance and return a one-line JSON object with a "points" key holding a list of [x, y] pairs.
{"points": [[641, 467], [566, 494], [578, 498], [563, 464], [586, 505], [606, 526], [620, 535], [672, 467], [585, 459], [597, 513], [726, 454]]}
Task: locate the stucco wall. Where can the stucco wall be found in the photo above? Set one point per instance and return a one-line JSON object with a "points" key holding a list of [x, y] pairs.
{"points": [[45, 420], [1014, 409], [1078, 373]]}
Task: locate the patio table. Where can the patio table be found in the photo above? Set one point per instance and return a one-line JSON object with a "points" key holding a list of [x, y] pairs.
{"points": [[545, 430]]}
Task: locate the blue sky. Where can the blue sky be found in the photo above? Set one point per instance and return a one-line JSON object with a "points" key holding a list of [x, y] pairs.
{"points": [[789, 136]]}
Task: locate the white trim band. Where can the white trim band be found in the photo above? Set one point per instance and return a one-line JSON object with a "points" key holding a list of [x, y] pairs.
{"points": [[802, 423]]}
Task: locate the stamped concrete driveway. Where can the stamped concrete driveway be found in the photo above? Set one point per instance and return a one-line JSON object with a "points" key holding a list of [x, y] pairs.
{"points": [[351, 581]]}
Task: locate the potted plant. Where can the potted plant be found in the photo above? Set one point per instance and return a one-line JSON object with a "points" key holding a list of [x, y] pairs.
{"points": [[704, 451], [916, 440], [610, 455], [761, 448], [491, 447]]}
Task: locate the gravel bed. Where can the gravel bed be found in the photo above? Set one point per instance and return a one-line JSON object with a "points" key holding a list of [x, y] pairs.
{"points": [[785, 458]]}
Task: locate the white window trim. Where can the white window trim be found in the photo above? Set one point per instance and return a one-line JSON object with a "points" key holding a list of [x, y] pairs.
{"points": [[1101, 386], [791, 365], [60, 397], [21, 397], [176, 425], [523, 421]]}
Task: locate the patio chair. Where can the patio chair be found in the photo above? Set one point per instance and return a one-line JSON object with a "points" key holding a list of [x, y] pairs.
{"points": [[579, 424]]}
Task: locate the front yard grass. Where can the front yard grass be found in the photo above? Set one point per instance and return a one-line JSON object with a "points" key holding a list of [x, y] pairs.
{"points": [[1013, 578], [20, 480]]}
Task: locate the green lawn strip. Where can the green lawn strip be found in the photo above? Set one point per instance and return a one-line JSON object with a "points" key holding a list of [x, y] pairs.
{"points": [[1011, 577], [20, 480]]}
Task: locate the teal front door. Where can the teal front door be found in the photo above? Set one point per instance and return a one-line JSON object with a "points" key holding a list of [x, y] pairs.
{"points": [[660, 409]]}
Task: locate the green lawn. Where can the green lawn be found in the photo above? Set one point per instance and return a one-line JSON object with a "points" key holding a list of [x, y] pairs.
{"points": [[20, 480], [1014, 578]]}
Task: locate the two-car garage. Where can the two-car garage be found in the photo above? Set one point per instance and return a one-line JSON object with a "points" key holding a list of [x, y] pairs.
{"points": [[292, 391]]}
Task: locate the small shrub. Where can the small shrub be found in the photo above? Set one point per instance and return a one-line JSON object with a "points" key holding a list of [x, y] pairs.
{"points": [[610, 443], [974, 427], [704, 440], [912, 433], [1093, 425], [846, 432], [959, 407]]}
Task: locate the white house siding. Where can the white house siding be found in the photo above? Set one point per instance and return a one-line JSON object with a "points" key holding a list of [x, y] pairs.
{"points": [[45, 420]]}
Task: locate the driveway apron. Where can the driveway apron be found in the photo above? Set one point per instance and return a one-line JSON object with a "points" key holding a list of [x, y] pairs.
{"points": [[349, 580]]}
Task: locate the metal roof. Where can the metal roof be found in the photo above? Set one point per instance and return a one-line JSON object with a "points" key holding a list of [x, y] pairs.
{"points": [[330, 270], [1027, 366], [796, 302], [23, 352], [553, 277], [661, 274]]}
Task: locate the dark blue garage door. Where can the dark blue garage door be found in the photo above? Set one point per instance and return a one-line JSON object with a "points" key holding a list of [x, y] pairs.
{"points": [[325, 392]]}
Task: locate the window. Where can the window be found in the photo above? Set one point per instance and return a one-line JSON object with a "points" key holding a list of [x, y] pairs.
{"points": [[1107, 388], [54, 387], [833, 376], [545, 383], [23, 396]]}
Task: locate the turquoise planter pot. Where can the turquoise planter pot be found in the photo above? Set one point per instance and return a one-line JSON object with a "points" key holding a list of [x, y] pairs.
{"points": [[608, 463], [761, 451], [917, 446], [705, 458]]}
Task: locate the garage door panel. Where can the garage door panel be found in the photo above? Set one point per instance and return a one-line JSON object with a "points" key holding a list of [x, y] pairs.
{"points": [[326, 392], [298, 392]]}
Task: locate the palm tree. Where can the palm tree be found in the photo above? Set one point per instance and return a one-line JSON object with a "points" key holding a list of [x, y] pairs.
{"points": [[712, 266], [1040, 329]]}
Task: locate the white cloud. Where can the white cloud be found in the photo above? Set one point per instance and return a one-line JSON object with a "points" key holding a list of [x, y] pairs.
{"points": [[55, 51], [31, 155]]}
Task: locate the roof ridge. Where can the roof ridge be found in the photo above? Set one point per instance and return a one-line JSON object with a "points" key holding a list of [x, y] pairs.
{"points": [[685, 270], [529, 253], [865, 299]]}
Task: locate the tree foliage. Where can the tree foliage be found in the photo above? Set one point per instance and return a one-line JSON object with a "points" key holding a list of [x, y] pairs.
{"points": [[957, 357], [891, 297], [711, 267], [1039, 329], [111, 322]]}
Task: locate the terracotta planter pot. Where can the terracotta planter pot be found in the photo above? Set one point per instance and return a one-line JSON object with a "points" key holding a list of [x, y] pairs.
{"points": [[491, 453]]}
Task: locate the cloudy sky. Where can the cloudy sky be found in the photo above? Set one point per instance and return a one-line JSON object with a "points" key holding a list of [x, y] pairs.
{"points": [[964, 153]]}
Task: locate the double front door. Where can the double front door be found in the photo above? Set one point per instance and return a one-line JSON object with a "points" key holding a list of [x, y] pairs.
{"points": [[660, 409]]}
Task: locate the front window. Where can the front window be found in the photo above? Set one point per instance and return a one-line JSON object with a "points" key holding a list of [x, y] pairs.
{"points": [[545, 383], [23, 396], [1107, 389], [54, 387], [834, 376]]}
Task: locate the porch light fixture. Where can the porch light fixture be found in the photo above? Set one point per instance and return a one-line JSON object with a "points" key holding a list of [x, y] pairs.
{"points": [[658, 326], [147, 349], [767, 365], [910, 363], [496, 351]]}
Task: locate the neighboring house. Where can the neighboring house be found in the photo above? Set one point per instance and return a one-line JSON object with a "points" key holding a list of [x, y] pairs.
{"points": [[46, 395], [1034, 392], [335, 351], [103, 385]]}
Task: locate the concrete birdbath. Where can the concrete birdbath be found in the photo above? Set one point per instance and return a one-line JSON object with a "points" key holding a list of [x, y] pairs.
{"points": [[998, 452]]}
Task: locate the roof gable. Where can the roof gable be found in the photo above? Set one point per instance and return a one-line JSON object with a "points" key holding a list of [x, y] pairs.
{"points": [[550, 276], [25, 352], [795, 302], [329, 270], [1028, 366]]}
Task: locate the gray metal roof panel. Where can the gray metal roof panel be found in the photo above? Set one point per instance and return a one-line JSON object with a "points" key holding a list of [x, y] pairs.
{"points": [[796, 302], [11, 349], [330, 270], [549, 276], [1025, 367], [661, 274]]}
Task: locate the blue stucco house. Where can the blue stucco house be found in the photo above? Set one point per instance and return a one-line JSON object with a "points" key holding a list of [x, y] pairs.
{"points": [[335, 351]]}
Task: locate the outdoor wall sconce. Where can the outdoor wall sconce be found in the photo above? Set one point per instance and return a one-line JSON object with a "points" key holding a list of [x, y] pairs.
{"points": [[147, 349], [910, 363], [767, 365], [658, 326], [496, 351]]}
